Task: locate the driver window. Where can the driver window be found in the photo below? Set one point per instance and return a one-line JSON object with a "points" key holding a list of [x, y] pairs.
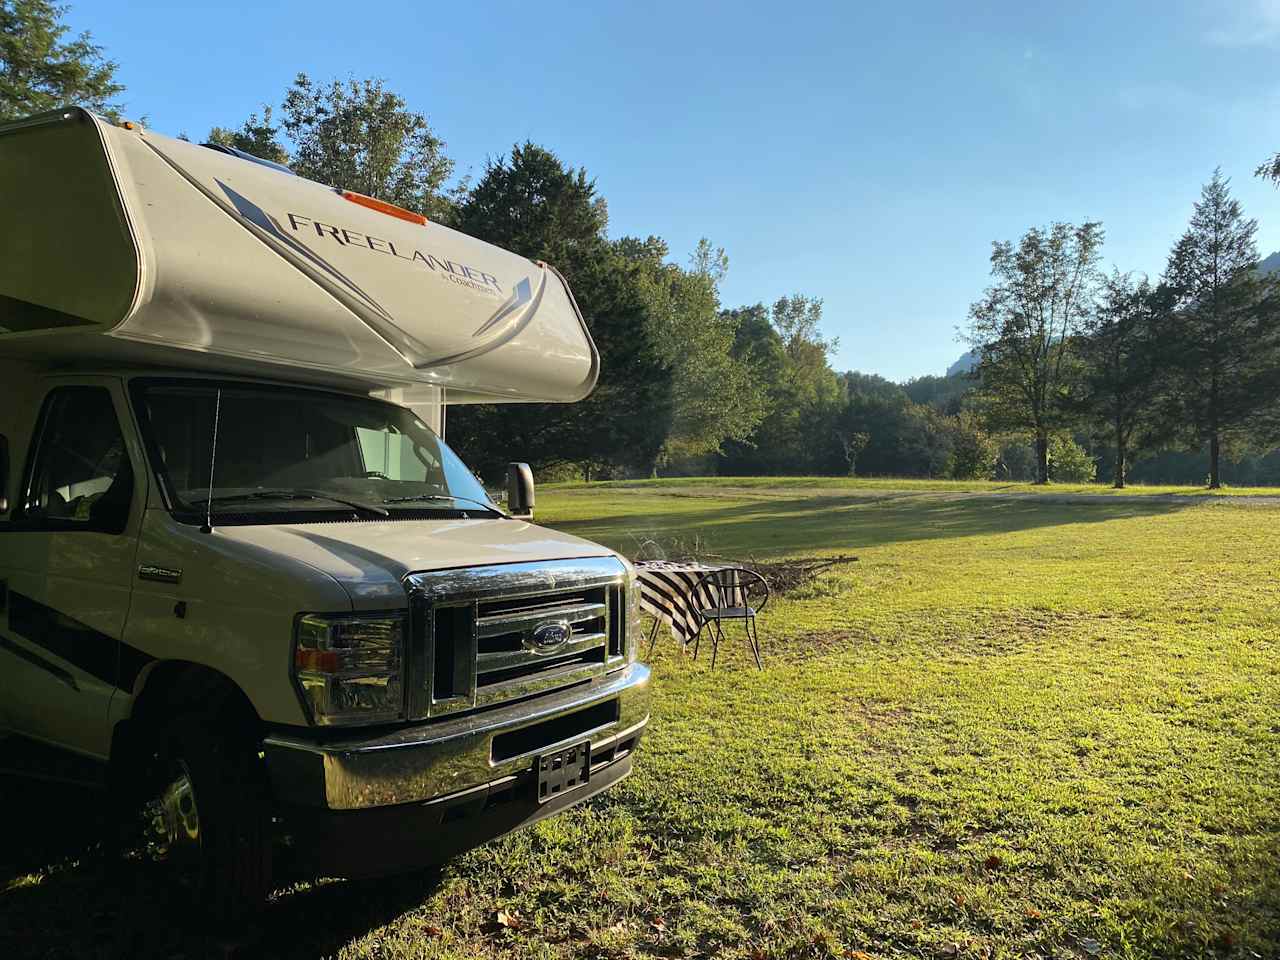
{"points": [[82, 476]]}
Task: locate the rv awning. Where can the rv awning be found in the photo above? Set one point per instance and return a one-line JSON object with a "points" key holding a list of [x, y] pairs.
{"points": [[146, 240]]}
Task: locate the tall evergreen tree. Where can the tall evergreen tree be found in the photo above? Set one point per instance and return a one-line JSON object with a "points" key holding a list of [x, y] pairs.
{"points": [[41, 71], [532, 204], [1121, 357], [1222, 326], [1270, 170], [1025, 328]]}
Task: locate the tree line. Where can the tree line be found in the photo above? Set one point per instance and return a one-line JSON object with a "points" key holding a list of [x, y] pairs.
{"points": [[1074, 369], [1190, 361]]}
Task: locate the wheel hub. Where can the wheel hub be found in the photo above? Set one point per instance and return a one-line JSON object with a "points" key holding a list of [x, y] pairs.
{"points": [[173, 819]]}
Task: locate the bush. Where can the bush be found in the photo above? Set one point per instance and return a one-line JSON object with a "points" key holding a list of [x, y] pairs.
{"points": [[1069, 462], [973, 451]]}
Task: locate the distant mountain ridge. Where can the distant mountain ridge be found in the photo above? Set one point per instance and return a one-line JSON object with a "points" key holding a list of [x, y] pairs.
{"points": [[969, 360], [966, 363]]}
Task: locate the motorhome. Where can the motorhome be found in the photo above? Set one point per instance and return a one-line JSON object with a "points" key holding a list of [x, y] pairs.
{"points": [[245, 586]]}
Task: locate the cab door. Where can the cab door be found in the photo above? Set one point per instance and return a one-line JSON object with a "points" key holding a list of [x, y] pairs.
{"points": [[69, 552]]}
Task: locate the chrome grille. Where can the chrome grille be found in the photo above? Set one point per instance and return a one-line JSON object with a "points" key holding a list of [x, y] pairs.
{"points": [[487, 635]]}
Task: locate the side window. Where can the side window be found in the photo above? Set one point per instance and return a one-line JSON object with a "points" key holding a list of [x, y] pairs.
{"points": [[396, 457], [81, 478]]}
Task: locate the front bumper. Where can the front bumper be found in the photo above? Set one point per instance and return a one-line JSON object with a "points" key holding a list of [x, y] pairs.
{"points": [[459, 757], [381, 841]]}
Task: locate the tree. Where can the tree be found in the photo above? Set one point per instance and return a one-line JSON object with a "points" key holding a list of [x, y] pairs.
{"points": [[973, 451], [853, 444], [532, 204], [1222, 324], [258, 136], [715, 395], [943, 393], [1270, 170], [799, 432], [354, 134], [1016, 459], [39, 71], [874, 408], [1121, 355], [1069, 462], [1025, 326]]}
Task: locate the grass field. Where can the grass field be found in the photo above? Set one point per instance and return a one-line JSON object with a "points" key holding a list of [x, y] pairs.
{"points": [[786, 486], [1015, 727]]}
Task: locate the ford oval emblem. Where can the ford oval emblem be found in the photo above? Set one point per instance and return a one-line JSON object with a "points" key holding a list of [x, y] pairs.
{"points": [[550, 636]]}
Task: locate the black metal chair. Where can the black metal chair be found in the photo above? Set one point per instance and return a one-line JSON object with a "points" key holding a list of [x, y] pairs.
{"points": [[734, 593]]}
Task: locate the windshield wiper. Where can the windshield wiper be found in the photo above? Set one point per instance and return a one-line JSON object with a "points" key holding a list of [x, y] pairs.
{"points": [[358, 506], [445, 496]]}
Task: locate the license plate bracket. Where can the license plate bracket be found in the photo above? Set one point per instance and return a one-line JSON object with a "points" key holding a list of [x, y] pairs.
{"points": [[563, 770]]}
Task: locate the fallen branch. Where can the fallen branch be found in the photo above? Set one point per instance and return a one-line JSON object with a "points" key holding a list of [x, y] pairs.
{"points": [[784, 575]]}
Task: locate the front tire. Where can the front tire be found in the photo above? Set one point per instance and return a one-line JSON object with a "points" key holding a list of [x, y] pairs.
{"points": [[207, 814]]}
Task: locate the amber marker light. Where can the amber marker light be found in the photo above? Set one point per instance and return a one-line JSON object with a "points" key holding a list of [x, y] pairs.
{"points": [[390, 209]]}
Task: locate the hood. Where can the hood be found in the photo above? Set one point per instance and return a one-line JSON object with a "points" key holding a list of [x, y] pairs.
{"points": [[371, 558]]}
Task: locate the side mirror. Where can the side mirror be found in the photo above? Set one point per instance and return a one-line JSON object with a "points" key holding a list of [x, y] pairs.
{"points": [[4, 474], [519, 490]]}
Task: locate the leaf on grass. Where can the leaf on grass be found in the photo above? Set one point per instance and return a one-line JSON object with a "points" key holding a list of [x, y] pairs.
{"points": [[758, 954], [658, 924], [509, 919], [960, 900], [917, 924], [857, 955], [993, 862], [1032, 913], [432, 931]]}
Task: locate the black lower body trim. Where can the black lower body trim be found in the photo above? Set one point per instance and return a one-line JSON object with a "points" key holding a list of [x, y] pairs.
{"points": [[38, 661], [97, 654]]}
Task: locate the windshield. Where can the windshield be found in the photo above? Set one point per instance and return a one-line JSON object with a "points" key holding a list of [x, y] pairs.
{"points": [[282, 449]]}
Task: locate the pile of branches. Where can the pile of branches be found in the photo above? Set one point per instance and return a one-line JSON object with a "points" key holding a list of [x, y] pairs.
{"points": [[792, 573], [784, 575]]}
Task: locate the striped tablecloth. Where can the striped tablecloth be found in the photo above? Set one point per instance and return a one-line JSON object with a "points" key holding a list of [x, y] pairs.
{"points": [[667, 593]]}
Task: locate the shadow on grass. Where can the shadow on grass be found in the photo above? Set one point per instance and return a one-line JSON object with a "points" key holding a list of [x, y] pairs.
{"points": [[833, 523], [61, 897]]}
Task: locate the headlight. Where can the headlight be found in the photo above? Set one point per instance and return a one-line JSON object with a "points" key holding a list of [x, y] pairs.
{"points": [[350, 669]]}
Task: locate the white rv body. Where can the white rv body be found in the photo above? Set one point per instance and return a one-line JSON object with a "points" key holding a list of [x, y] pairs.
{"points": [[209, 374]]}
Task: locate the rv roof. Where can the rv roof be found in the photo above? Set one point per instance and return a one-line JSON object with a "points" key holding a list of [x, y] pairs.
{"points": [[245, 155], [154, 251]]}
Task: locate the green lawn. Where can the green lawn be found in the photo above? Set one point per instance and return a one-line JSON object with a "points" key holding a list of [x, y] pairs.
{"points": [[1016, 727], [787, 485]]}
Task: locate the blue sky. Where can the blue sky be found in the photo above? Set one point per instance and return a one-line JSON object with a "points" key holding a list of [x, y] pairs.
{"points": [[864, 154]]}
